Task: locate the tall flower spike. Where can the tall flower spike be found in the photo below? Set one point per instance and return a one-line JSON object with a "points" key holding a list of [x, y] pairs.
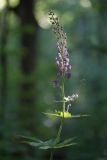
{"points": [[62, 60]]}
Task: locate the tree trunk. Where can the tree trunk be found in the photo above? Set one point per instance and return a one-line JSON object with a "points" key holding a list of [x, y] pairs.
{"points": [[4, 66], [29, 29], [29, 34]]}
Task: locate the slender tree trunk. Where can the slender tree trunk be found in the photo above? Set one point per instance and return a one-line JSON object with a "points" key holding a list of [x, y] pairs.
{"points": [[29, 29], [28, 61], [3, 64]]}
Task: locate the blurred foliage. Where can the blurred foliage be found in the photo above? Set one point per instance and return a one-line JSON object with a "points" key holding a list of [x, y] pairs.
{"points": [[85, 22]]}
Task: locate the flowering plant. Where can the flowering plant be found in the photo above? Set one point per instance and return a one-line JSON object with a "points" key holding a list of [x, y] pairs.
{"points": [[63, 74]]}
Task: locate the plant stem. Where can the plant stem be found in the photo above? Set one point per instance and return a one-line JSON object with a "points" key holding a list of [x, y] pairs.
{"points": [[62, 119], [59, 132], [63, 95], [63, 110], [51, 155]]}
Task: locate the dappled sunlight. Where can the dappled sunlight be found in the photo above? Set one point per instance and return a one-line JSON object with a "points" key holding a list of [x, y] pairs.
{"points": [[14, 3], [85, 3], [2, 4], [43, 20], [11, 3]]}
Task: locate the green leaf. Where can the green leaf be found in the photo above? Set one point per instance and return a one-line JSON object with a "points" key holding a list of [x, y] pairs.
{"points": [[51, 143], [45, 147], [42, 145], [67, 141], [34, 144], [66, 145], [31, 138]]}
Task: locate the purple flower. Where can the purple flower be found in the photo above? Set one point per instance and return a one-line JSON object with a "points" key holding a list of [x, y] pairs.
{"points": [[55, 83], [62, 60]]}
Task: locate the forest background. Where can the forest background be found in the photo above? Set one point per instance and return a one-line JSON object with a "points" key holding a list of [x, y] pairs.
{"points": [[27, 68]]}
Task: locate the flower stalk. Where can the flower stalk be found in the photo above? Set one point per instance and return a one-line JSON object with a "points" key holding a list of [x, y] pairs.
{"points": [[63, 65]]}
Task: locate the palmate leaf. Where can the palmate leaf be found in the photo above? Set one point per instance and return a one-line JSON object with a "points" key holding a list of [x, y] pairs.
{"points": [[49, 144]]}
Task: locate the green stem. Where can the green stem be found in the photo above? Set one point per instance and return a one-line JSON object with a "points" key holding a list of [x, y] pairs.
{"points": [[63, 110], [63, 95], [62, 119], [59, 132], [51, 155]]}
